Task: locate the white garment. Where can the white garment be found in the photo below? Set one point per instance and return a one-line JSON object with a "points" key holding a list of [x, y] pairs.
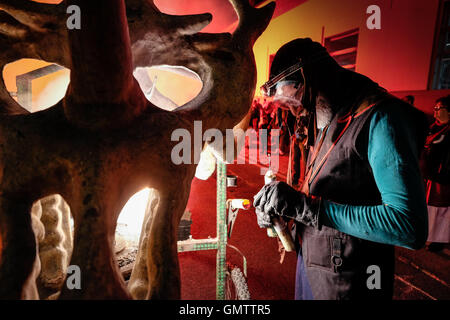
{"points": [[439, 224]]}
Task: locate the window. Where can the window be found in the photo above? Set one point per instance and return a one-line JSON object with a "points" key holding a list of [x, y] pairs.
{"points": [[441, 78], [343, 48]]}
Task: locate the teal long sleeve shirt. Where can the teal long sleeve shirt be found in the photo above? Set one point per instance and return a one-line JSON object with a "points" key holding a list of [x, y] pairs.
{"points": [[402, 218]]}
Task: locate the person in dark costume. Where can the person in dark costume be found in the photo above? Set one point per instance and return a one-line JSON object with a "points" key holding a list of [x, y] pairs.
{"points": [[363, 192], [436, 170]]}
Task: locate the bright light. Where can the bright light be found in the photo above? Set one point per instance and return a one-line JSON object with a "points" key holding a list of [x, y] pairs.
{"points": [[131, 217], [46, 90]]}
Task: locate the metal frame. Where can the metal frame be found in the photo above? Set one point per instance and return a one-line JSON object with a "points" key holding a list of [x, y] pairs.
{"points": [[218, 243]]}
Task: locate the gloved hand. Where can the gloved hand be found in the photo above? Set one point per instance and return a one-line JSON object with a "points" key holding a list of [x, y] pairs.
{"points": [[279, 199]]}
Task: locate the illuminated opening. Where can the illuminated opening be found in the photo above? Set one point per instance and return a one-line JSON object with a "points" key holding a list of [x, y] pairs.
{"points": [[35, 84], [168, 87], [128, 231], [131, 218]]}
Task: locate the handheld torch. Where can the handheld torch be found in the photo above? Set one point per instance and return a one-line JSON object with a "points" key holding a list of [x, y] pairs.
{"points": [[280, 227]]}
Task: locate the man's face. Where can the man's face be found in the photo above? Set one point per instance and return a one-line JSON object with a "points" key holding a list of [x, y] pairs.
{"points": [[289, 93], [441, 113]]}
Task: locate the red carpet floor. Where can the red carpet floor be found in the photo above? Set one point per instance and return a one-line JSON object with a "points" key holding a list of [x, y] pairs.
{"points": [[267, 278], [419, 274]]}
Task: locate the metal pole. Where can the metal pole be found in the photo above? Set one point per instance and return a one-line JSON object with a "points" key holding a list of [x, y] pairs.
{"points": [[221, 267]]}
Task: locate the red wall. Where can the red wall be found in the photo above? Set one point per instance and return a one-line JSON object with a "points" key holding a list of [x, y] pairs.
{"points": [[398, 56], [424, 100]]}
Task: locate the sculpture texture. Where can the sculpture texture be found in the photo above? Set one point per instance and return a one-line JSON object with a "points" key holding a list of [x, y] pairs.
{"points": [[105, 141]]}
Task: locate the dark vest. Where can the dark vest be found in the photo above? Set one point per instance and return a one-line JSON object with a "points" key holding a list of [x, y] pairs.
{"points": [[336, 263]]}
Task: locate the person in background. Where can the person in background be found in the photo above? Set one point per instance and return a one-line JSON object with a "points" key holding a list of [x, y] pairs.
{"points": [[254, 117], [409, 99], [286, 123], [435, 163], [263, 118], [271, 110]]}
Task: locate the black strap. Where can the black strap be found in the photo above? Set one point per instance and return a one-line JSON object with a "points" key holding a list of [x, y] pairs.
{"points": [[336, 259]]}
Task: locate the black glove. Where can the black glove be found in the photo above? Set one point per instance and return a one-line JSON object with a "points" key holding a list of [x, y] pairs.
{"points": [[279, 199]]}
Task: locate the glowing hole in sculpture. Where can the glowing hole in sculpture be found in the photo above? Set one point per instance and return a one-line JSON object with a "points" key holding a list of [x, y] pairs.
{"points": [[131, 217], [36, 84], [168, 87]]}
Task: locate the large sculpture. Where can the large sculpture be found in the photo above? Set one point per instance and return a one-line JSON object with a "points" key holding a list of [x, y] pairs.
{"points": [[105, 141]]}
